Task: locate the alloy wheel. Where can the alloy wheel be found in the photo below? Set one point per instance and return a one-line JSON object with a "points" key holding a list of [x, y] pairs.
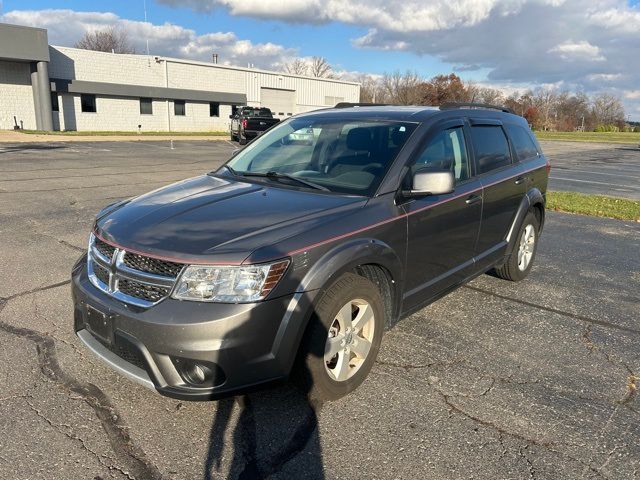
{"points": [[349, 340], [526, 247]]}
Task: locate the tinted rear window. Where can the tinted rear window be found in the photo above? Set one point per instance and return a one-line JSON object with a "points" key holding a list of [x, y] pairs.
{"points": [[256, 112], [522, 142], [490, 146]]}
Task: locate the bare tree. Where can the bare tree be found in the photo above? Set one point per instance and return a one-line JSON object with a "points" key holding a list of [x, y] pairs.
{"points": [[402, 89], [608, 109], [297, 67], [490, 96], [110, 39], [370, 89], [320, 68]]}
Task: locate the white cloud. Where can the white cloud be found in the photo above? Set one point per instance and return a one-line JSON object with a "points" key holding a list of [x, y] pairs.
{"points": [[588, 46], [65, 27], [582, 50], [632, 94]]}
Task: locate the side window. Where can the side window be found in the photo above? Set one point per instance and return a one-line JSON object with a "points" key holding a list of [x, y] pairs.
{"points": [[179, 108], [446, 151], [522, 142], [88, 103], [490, 146]]}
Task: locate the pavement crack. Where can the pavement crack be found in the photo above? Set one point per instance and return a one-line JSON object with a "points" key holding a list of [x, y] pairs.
{"points": [[501, 431], [575, 316], [631, 384], [127, 453], [33, 290], [63, 429], [411, 366], [531, 469]]}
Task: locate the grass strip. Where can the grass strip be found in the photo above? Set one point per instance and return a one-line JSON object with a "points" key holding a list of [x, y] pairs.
{"points": [[594, 205], [627, 138]]}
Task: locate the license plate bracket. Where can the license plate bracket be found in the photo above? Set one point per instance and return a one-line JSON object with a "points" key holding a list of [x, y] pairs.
{"points": [[100, 324]]}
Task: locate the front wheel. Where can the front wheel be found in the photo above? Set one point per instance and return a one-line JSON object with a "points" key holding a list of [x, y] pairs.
{"points": [[343, 338], [519, 263]]}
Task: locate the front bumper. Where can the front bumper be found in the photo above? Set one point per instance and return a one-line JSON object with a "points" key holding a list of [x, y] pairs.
{"points": [[245, 345]]}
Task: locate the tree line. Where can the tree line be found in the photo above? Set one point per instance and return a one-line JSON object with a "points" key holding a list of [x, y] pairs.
{"points": [[544, 108]]}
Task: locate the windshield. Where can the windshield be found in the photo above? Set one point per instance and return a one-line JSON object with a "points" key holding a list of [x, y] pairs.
{"points": [[345, 156], [256, 112]]}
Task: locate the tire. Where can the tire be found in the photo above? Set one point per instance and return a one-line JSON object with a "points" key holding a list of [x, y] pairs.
{"points": [[242, 140], [233, 137], [319, 375], [517, 267]]}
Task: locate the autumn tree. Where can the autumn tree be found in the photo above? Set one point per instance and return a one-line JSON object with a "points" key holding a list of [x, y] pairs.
{"points": [[110, 39], [442, 89]]}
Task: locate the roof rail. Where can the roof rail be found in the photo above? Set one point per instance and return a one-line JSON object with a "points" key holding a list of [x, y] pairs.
{"points": [[454, 105], [349, 105]]}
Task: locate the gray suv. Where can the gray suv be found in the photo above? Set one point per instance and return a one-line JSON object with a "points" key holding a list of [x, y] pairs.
{"points": [[297, 254]]}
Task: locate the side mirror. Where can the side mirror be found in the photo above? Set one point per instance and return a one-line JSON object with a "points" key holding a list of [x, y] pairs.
{"points": [[429, 182], [235, 152], [232, 116]]}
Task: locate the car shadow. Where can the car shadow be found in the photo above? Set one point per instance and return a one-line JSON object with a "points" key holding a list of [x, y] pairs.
{"points": [[271, 427]]}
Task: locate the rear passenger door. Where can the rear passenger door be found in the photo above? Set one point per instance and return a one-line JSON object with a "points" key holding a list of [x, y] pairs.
{"points": [[441, 229], [502, 188]]}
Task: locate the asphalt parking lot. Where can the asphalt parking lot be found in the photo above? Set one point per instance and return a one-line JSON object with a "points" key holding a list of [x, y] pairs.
{"points": [[601, 168], [495, 381]]}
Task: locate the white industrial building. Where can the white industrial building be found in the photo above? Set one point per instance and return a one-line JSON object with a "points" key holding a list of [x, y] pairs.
{"points": [[97, 91]]}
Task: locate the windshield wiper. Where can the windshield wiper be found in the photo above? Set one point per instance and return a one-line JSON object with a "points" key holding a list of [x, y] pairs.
{"points": [[231, 170], [277, 175]]}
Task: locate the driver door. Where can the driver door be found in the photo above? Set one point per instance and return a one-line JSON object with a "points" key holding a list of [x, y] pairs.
{"points": [[442, 229]]}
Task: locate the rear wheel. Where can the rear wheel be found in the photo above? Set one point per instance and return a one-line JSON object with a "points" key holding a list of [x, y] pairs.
{"points": [[343, 338], [242, 140], [519, 263]]}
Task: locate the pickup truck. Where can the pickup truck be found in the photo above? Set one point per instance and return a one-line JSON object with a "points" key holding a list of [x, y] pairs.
{"points": [[249, 122]]}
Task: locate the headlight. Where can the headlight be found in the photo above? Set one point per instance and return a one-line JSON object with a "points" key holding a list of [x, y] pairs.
{"points": [[225, 284]]}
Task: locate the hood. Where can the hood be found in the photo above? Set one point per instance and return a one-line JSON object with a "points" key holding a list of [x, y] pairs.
{"points": [[215, 219]]}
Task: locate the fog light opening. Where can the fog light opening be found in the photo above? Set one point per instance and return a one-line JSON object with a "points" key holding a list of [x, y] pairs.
{"points": [[196, 373]]}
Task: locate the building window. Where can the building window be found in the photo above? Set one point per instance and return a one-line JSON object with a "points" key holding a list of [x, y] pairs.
{"points": [[214, 109], [146, 106], [88, 103], [179, 108], [55, 106]]}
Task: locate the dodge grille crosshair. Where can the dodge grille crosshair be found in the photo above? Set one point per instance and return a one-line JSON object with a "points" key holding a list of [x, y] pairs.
{"points": [[130, 277]]}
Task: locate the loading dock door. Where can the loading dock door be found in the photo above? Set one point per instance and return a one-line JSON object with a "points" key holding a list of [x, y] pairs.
{"points": [[281, 102]]}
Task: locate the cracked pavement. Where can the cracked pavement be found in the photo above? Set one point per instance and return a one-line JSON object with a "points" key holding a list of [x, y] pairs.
{"points": [[497, 380]]}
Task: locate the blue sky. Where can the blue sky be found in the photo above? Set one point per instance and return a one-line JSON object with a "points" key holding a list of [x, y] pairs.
{"points": [[333, 40], [511, 44]]}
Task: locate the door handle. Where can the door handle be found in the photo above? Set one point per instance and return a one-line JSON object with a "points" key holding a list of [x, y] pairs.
{"points": [[473, 199], [520, 180]]}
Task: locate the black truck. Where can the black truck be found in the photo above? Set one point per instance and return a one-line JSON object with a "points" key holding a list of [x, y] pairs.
{"points": [[249, 122]]}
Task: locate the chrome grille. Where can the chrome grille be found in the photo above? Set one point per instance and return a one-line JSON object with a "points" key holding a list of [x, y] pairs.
{"points": [[101, 273], [150, 293], [152, 265], [104, 248], [130, 277]]}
